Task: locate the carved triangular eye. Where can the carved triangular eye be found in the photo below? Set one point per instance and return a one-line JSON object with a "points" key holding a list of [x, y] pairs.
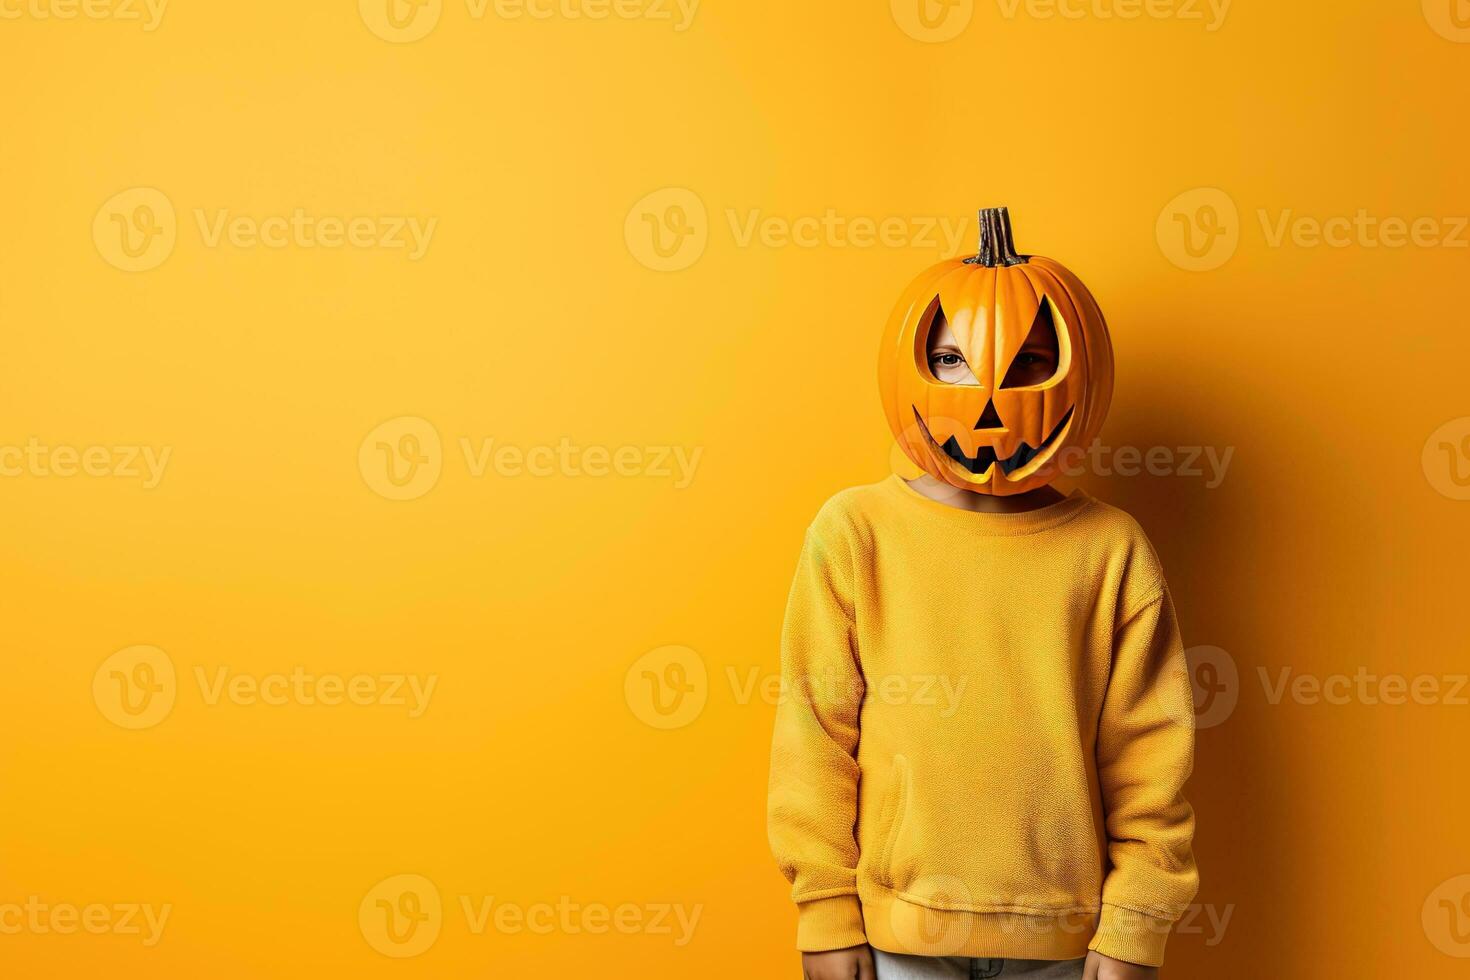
{"points": [[937, 320], [1037, 360]]}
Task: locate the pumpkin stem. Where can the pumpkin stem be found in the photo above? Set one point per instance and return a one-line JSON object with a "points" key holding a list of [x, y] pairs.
{"points": [[997, 246]]}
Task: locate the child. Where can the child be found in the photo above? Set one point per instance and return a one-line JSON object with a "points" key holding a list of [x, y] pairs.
{"points": [[987, 723]]}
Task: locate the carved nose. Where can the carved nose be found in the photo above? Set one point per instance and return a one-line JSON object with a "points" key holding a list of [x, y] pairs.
{"points": [[990, 418]]}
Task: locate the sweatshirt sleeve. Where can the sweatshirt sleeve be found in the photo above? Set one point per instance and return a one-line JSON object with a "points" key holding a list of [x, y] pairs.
{"points": [[812, 805], [1145, 751]]}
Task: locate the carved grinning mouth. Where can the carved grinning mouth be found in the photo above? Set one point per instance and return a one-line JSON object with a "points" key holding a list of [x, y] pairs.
{"points": [[986, 457]]}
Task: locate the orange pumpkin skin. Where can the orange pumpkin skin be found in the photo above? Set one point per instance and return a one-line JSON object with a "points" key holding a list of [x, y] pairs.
{"points": [[992, 302]]}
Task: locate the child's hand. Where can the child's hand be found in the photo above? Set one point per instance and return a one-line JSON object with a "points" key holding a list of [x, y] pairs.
{"points": [[855, 963], [1100, 967]]}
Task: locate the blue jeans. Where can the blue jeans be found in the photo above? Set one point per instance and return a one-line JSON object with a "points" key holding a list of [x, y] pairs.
{"points": [[892, 966]]}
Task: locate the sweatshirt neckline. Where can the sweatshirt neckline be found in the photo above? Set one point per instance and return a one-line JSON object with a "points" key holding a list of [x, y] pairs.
{"points": [[1023, 522]]}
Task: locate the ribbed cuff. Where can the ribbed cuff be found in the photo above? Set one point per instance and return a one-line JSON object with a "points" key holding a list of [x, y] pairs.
{"points": [[1131, 936], [830, 923]]}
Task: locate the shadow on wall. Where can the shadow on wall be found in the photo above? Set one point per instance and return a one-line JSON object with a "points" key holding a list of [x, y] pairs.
{"points": [[1230, 567]]}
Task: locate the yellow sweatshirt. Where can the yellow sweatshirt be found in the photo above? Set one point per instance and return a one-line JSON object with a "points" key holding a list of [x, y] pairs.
{"points": [[985, 726]]}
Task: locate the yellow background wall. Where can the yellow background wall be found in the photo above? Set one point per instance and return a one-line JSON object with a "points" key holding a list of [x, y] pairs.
{"points": [[541, 773]]}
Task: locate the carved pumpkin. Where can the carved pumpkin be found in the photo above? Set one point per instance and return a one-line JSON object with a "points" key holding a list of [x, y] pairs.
{"points": [[1003, 429]]}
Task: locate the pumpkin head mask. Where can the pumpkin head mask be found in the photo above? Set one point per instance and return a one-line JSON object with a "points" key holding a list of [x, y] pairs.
{"points": [[1003, 429]]}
